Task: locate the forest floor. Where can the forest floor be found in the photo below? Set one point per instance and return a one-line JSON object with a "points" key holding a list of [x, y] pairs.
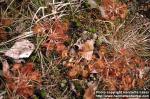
{"points": [[68, 49]]}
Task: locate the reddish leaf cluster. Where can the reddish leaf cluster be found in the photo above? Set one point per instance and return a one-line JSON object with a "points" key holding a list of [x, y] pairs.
{"points": [[6, 22], [77, 69], [56, 34], [21, 79], [38, 29], [111, 9], [120, 72]]}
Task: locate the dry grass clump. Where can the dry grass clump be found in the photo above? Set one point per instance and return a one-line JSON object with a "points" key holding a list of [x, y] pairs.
{"points": [[134, 37]]}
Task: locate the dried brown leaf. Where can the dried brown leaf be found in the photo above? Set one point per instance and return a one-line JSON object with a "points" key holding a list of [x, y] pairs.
{"points": [[6, 71], [86, 49], [21, 49]]}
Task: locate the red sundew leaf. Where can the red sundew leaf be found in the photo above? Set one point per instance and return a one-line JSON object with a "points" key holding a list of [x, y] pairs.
{"points": [[60, 47], [11, 85], [76, 69], [57, 37], [24, 89], [111, 83], [59, 30], [123, 70], [98, 67], [107, 2], [6, 22], [27, 68], [17, 66], [122, 10], [123, 51], [100, 64], [128, 79], [126, 83], [140, 62], [112, 73], [74, 72], [35, 76], [49, 46], [103, 50], [60, 27], [38, 29], [111, 9], [69, 65], [140, 82]]}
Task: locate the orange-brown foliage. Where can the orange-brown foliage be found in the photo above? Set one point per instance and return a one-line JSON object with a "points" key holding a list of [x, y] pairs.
{"points": [[21, 79], [112, 9], [56, 34]]}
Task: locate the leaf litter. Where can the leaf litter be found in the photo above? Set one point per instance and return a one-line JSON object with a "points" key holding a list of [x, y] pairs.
{"points": [[21, 49]]}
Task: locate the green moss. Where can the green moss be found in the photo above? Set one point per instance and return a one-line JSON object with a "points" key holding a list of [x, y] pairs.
{"points": [[92, 30], [43, 93]]}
